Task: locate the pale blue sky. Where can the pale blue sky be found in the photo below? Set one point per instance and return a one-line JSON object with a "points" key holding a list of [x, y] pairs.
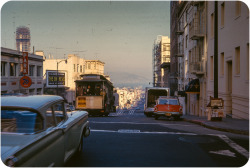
{"points": [[121, 34]]}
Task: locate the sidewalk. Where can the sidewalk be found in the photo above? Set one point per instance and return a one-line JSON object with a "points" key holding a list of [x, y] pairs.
{"points": [[238, 126]]}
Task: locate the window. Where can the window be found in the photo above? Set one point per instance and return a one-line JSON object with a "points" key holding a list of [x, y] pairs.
{"points": [[89, 65], [39, 91], [222, 63], [237, 60], [212, 25], [31, 70], [31, 91], [74, 67], [13, 69], [50, 120], [212, 68], [39, 71], [222, 14], [59, 112], [20, 121], [237, 8], [77, 68], [80, 68], [3, 70]]}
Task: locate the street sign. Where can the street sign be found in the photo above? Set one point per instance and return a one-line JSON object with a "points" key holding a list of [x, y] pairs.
{"points": [[25, 81], [25, 63]]}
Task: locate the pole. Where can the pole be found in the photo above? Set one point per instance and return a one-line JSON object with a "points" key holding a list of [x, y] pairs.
{"points": [[57, 78], [215, 49]]}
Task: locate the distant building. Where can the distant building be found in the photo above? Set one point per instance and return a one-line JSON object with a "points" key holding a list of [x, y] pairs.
{"points": [[69, 70], [11, 72], [23, 39], [128, 97], [161, 61]]}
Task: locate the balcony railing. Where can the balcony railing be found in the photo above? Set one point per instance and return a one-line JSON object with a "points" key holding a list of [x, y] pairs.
{"points": [[180, 27], [180, 50], [197, 28], [196, 68]]}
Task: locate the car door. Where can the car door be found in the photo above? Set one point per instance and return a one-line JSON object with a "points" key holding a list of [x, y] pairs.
{"points": [[48, 150], [70, 128]]}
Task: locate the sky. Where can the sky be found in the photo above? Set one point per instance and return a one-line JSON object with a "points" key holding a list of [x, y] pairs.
{"points": [[119, 33]]}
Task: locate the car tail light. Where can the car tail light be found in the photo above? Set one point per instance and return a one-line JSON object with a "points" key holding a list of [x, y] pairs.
{"points": [[155, 109], [180, 110], [11, 161]]}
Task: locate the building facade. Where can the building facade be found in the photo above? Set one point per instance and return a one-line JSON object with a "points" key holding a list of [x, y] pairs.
{"points": [[69, 70], [233, 56], [161, 61], [196, 34], [12, 72]]}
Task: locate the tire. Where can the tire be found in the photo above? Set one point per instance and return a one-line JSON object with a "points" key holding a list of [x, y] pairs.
{"points": [[177, 118], [156, 117]]}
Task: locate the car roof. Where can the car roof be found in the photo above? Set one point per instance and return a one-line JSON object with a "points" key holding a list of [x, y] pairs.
{"points": [[167, 97], [32, 101]]}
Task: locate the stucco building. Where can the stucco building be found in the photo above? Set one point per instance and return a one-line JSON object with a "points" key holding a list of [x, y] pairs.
{"points": [[12, 72], [196, 37], [69, 70]]}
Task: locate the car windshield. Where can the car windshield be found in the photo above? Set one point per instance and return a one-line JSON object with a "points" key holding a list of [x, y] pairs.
{"points": [[20, 121], [168, 101]]}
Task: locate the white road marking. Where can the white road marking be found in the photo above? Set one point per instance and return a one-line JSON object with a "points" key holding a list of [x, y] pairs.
{"points": [[139, 132], [100, 122], [224, 152], [128, 131], [235, 146]]}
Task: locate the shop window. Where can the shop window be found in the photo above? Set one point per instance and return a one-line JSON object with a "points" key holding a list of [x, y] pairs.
{"points": [[3, 68], [32, 70], [13, 69]]}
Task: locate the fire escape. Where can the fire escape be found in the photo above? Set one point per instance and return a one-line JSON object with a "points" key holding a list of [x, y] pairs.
{"points": [[197, 31]]}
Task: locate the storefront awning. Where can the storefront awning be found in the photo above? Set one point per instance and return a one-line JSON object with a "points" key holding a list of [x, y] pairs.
{"points": [[193, 87]]}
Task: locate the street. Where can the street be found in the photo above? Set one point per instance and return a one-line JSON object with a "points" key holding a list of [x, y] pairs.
{"points": [[127, 138]]}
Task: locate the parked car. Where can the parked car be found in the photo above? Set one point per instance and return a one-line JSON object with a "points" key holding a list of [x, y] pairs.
{"points": [[70, 108], [36, 131], [167, 107]]}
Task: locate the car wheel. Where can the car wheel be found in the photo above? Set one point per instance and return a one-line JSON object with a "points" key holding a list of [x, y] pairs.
{"points": [[177, 118], [156, 117]]}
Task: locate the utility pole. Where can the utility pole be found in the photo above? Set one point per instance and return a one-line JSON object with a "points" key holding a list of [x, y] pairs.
{"points": [[57, 77], [215, 49]]}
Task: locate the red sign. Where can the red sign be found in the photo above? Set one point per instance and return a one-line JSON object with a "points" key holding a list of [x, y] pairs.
{"points": [[25, 62], [25, 81]]}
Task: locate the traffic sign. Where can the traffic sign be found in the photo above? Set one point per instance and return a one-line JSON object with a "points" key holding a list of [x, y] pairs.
{"points": [[25, 81]]}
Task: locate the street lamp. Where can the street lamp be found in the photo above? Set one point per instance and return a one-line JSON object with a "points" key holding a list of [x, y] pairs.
{"points": [[57, 78]]}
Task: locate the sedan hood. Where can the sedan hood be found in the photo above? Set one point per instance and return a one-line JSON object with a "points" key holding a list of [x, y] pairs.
{"points": [[11, 143]]}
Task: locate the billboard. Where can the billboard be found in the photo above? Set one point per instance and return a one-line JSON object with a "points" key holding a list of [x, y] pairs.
{"points": [[52, 78]]}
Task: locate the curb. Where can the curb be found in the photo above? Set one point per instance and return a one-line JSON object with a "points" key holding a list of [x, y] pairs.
{"points": [[202, 123]]}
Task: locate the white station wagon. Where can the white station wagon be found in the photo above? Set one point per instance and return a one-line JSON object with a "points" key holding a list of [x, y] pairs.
{"points": [[36, 131]]}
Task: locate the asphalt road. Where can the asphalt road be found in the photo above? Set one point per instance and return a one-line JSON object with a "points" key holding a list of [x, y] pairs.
{"points": [[127, 138]]}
